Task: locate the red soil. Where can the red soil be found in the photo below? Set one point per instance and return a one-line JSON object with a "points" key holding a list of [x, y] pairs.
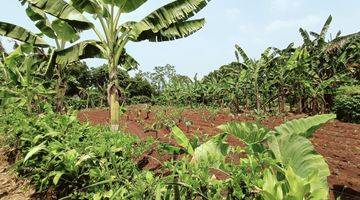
{"points": [[338, 142]]}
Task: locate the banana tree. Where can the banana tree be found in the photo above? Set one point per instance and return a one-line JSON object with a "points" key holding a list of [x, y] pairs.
{"points": [[169, 22], [324, 67], [256, 69], [63, 27], [283, 74], [23, 84], [246, 75]]}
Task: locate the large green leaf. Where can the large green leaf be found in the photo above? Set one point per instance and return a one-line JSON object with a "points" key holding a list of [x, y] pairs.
{"points": [[164, 17], [325, 27], [82, 50], [175, 31], [304, 126], [299, 188], [130, 6], [305, 35], [35, 14], [250, 133], [211, 153], [21, 34], [90, 49], [64, 31], [62, 10], [271, 189], [128, 62], [182, 140], [45, 27], [88, 6], [58, 28], [33, 151], [242, 53], [296, 152], [41, 21], [126, 6]]}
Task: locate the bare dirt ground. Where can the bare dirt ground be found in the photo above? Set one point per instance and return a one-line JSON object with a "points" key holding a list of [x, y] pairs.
{"points": [[338, 142], [10, 187]]}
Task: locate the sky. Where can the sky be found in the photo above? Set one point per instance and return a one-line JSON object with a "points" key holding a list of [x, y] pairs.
{"points": [[254, 25]]}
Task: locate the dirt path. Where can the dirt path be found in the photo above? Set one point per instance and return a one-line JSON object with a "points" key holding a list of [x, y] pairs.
{"points": [[10, 187], [338, 142]]}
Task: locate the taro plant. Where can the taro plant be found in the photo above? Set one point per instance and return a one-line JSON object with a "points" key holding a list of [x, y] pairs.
{"points": [[279, 163], [300, 172]]}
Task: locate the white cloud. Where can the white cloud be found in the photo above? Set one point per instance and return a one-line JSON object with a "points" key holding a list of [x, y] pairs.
{"points": [[306, 22], [283, 5]]}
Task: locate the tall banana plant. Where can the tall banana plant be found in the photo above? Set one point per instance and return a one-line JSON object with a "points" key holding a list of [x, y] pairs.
{"points": [[22, 84], [283, 73], [254, 70], [324, 69], [167, 23]]}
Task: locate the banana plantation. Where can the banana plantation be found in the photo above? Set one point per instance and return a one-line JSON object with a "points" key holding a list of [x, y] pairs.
{"points": [[283, 125]]}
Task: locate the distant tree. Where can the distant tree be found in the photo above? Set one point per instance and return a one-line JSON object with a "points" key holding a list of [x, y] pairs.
{"points": [[77, 76], [140, 86], [161, 76]]}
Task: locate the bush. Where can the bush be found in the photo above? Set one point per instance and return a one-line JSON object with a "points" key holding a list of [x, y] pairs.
{"points": [[347, 108], [347, 103]]}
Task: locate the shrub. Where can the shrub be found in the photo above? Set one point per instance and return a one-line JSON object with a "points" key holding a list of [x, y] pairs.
{"points": [[347, 104]]}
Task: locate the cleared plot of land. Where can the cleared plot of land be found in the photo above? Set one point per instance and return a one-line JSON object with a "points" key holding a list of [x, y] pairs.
{"points": [[338, 142]]}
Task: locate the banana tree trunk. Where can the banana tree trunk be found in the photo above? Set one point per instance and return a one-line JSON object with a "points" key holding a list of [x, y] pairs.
{"points": [[61, 86], [257, 98], [281, 99], [114, 95], [300, 104], [246, 108], [314, 104]]}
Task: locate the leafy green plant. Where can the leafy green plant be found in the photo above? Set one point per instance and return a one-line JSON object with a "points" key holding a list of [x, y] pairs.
{"points": [[80, 160], [346, 104], [23, 83], [303, 172]]}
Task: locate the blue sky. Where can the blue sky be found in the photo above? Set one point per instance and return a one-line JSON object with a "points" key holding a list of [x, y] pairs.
{"points": [[254, 25]]}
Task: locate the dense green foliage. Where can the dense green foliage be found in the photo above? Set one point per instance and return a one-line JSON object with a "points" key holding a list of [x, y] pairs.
{"points": [[294, 79], [347, 104], [79, 161], [74, 160], [87, 88], [57, 151]]}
